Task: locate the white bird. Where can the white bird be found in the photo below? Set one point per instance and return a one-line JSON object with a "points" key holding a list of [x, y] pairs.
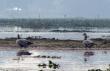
{"points": [[87, 42]]}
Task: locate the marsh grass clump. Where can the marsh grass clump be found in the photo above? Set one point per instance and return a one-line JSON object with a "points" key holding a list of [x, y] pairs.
{"points": [[95, 70], [107, 69], [45, 56], [50, 65]]}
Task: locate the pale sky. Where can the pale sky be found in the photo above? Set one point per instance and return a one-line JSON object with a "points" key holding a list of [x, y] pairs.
{"points": [[54, 8]]}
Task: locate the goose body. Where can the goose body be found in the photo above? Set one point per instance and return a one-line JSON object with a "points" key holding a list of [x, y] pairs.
{"points": [[23, 43], [87, 42]]}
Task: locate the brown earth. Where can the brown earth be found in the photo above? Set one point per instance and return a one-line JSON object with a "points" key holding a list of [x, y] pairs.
{"points": [[54, 44]]}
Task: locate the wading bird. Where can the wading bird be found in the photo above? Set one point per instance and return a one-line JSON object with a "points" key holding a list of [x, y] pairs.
{"points": [[87, 42], [23, 44]]}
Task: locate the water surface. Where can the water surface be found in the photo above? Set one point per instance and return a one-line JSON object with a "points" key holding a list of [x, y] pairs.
{"points": [[71, 60], [56, 35]]}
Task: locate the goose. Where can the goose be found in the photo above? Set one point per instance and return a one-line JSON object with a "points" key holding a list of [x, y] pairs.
{"points": [[23, 43], [87, 42]]}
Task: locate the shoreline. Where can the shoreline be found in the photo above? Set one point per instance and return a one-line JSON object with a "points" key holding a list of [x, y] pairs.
{"points": [[47, 48], [52, 44]]}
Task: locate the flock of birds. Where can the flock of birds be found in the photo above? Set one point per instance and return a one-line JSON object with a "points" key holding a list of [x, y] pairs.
{"points": [[24, 43]]}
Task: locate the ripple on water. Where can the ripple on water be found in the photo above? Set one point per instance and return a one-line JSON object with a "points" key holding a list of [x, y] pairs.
{"points": [[70, 60]]}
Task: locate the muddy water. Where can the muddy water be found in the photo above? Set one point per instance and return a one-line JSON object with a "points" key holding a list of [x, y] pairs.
{"points": [[70, 60]]}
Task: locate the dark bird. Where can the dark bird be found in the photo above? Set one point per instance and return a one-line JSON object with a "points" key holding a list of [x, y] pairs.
{"points": [[23, 43], [87, 42]]}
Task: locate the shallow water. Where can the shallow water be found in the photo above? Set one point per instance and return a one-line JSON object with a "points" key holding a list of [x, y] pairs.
{"points": [[56, 35], [71, 60]]}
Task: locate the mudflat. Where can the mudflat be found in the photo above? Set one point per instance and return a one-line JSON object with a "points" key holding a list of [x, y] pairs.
{"points": [[53, 44]]}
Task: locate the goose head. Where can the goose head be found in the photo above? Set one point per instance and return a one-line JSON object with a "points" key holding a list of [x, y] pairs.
{"points": [[85, 36], [18, 36]]}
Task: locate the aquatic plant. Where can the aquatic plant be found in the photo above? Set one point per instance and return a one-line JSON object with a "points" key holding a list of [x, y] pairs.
{"points": [[40, 70], [44, 56], [53, 65], [50, 65], [88, 53], [95, 70], [108, 69]]}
